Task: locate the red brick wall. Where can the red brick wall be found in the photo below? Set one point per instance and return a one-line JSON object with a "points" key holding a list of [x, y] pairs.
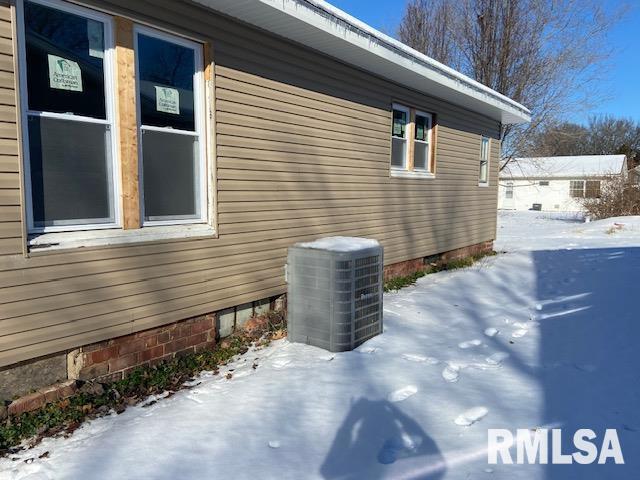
{"points": [[111, 359], [408, 267]]}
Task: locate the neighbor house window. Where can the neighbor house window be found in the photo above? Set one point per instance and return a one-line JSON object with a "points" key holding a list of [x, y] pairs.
{"points": [[67, 107], [484, 161], [544, 183], [508, 193], [422, 142], [584, 188], [399, 143], [171, 127], [592, 189]]}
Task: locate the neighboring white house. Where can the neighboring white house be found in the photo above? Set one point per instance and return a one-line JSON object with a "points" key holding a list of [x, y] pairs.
{"points": [[556, 183]]}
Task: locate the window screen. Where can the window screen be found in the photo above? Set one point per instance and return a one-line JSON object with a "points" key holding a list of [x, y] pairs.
{"points": [[70, 172]]}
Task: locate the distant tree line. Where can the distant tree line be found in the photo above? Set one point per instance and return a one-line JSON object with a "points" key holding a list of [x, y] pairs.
{"points": [[602, 135]]}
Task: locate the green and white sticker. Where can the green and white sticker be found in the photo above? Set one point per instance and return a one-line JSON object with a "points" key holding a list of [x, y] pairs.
{"points": [[167, 100], [64, 74]]}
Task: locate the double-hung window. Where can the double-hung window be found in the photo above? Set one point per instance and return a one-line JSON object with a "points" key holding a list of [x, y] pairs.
{"points": [[170, 103], [484, 161], [399, 143], [82, 168], [68, 111], [411, 142], [422, 142]]}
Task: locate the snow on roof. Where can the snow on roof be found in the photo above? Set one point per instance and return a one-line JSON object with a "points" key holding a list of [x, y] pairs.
{"points": [[325, 28], [340, 244], [564, 167]]}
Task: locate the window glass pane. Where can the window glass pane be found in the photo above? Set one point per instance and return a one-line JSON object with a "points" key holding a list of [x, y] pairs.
{"points": [[592, 189], [398, 152], [70, 179], [576, 188], [399, 123], [166, 72], [484, 152], [65, 62], [420, 154], [483, 171], [509, 191], [422, 128], [170, 173]]}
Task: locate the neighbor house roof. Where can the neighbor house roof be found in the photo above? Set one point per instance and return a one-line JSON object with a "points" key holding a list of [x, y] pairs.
{"points": [[323, 27], [565, 167]]}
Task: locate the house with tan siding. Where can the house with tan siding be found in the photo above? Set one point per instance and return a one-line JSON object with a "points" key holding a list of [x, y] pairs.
{"points": [[157, 159]]}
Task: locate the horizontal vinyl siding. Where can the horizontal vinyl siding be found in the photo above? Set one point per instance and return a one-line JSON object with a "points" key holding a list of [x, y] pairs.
{"points": [[10, 226], [303, 148]]}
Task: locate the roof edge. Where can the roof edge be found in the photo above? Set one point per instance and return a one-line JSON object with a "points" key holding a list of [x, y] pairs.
{"points": [[377, 49]]}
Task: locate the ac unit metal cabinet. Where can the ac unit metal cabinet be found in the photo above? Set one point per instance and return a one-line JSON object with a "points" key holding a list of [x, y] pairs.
{"points": [[335, 296]]}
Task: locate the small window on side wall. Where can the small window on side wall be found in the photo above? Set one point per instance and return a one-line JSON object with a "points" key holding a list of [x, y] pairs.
{"points": [[399, 144], [484, 161]]}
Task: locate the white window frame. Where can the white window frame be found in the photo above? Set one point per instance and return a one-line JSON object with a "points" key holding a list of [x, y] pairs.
{"points": [[485, 156], [508, 192], [583, 189], [199, 111], [110, 108], [407, 110], [427, 168]]}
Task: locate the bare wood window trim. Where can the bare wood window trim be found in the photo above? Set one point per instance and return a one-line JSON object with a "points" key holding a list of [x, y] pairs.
{"points": [[126, 195]]}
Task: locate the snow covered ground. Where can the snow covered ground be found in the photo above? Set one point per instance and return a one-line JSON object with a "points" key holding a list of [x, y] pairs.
{"points": [[546, 334]]}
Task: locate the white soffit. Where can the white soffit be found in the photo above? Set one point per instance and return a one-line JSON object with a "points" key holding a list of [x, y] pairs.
{"points": [[323, 27]]}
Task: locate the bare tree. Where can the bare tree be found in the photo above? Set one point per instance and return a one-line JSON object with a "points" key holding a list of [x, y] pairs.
{"points": [[546, 54], [603, 135]]}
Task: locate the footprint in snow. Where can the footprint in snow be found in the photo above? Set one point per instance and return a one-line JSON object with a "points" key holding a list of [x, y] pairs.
{"points": [[497, 358], [491, 331], [451, 373], [280, 364], [367, 350], [412, 357], [470, 343], [519, 333], [471, 416], [274, 444], [402, 393]]}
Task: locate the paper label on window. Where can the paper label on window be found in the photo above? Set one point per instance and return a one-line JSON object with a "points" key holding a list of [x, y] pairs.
{"points": [[64, 74], [96, 38], [167, 100]]}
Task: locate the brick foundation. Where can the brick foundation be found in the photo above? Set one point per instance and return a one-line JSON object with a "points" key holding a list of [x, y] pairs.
{"points": [[112, 359], [409, 267]]}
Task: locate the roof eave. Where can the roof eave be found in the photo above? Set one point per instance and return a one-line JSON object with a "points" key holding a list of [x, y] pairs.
{"points": [[325, 28]]}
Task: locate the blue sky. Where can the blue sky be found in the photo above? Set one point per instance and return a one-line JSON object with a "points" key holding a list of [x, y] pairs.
{"points": [[622, 89]]}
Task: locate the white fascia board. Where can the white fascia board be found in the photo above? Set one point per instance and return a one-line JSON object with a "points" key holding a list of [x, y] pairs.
{"points": [[323, 27]]}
